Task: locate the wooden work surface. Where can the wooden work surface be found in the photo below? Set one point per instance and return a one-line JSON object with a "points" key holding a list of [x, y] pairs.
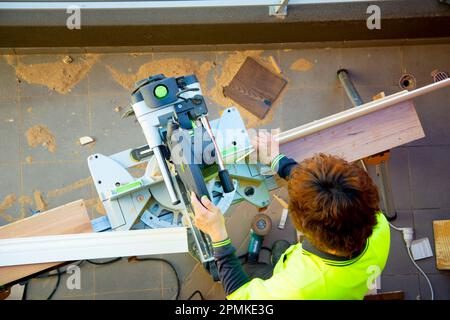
{"points": [[442, 243], [255, 88], [67, 219], [361, 137]]}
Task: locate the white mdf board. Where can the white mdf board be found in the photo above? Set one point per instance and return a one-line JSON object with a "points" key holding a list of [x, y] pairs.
{"points": [[72, 247]]}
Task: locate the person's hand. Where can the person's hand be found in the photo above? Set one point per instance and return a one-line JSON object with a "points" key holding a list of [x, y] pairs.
{"points": [[209, 218], [266, 146]]}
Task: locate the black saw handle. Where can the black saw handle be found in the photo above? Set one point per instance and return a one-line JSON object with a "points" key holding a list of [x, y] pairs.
{"points": [[225, 180]]}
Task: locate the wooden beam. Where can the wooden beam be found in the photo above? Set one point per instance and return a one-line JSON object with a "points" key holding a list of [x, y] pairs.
{"points": [[81, 246], [69, 218], [357, 112], [361, 137]]}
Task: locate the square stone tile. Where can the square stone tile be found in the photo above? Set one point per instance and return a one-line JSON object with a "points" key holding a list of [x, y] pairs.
{"points": [[311, 68], [124, 276], [430, 176], [8, 80], [409, 284], [372, 66], [303, 105], [112, 133], [9, 131], [441, 286], [432, 110], [9, 193], [423, 227], [66, 118], [58, 183]]}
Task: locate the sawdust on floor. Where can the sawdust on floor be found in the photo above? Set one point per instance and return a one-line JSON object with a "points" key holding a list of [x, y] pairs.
{"points": [[41, 135], [228, 70], [29, 159], [7, 203], [57, 75], [169, 67], [70, 187], [301, 65], [40, 204], [96, 204]]}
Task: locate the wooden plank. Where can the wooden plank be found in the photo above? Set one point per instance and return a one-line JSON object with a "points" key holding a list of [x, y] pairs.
{"points": [[255, 88], [357, 112], [96, 245], [361, 137], [66, 219], [442, 243]]}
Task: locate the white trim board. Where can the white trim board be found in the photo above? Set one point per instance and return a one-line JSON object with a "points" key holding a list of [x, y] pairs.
{"points": [[81, 246]]}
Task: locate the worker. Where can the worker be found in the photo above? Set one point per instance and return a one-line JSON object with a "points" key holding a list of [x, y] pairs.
{"points": [[335, 205]]}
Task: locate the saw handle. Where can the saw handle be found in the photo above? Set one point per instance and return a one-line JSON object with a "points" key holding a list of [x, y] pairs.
{"points": [[225, 180]]}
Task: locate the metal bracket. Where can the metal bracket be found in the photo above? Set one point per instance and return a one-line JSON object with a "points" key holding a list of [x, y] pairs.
{"points": [[279, 11]]}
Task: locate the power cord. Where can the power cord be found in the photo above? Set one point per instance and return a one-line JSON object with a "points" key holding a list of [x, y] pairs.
{"points": [[60, 272], [194, 293], [408, 235]]}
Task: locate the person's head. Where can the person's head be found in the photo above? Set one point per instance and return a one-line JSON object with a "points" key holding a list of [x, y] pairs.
{"points": [[334, 203]]}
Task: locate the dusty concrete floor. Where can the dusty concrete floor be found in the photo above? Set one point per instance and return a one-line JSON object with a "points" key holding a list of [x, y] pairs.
{"points": [[46, 168]]}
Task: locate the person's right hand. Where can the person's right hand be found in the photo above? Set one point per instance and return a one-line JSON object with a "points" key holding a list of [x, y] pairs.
{"points": [[266, 146]]}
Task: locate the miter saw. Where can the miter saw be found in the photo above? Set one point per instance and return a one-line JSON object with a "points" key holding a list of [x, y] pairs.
{"points": [[184, 152]]}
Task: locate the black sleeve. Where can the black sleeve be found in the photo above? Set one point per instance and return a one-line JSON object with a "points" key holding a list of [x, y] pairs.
{"points": [[231, 273], [283, 165]]}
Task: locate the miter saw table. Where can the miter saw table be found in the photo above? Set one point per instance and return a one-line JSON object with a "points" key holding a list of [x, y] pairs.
{"points": [[185, 153]]}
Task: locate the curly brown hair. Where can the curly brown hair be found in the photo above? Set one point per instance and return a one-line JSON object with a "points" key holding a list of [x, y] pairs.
{"points": [[334, 203]]}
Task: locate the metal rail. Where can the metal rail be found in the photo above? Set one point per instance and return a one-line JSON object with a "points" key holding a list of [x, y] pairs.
{"points": [[93, 5]]}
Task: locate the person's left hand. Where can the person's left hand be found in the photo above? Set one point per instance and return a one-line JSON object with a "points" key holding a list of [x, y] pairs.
{"points": [[209, 218]]}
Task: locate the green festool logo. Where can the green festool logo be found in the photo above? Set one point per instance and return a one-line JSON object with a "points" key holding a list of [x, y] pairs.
{"points": [[161, 91]]}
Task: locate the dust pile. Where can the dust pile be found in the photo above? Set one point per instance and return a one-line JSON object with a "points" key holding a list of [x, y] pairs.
{"points": [[29, 159], [57, 75], [170, 67], [7, 203], [41, 135], [95, 203], [301, 65], [41, 205]]}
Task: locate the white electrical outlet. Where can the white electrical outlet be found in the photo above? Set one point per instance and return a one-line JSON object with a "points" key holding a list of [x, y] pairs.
{"points": [[421, 249]]}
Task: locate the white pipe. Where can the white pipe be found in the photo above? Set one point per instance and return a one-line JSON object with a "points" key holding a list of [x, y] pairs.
{"points": [[42, 5]]}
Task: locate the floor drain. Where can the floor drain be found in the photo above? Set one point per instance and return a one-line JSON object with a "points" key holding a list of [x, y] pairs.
{"points": [[407, 81], [439, 75]]}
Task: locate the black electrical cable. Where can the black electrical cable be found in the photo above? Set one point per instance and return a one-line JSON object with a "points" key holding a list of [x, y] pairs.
{"points": [[56, 286], [194, 293], [171, 266], [104, 262]]}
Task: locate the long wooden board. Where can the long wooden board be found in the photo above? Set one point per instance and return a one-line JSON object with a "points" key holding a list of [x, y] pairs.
{"points": [[66, 219], [442, 243], [361, 137]]}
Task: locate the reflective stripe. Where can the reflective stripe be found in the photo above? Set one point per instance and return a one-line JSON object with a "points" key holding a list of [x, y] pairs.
{"points": [[221, 243], [276, 160]]}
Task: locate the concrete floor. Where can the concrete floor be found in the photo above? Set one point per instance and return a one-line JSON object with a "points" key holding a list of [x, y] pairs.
{"points": [[85, 106]]}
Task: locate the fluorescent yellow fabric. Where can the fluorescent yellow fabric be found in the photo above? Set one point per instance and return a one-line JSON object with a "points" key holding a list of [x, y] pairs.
{"points": [[302, 275]]}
